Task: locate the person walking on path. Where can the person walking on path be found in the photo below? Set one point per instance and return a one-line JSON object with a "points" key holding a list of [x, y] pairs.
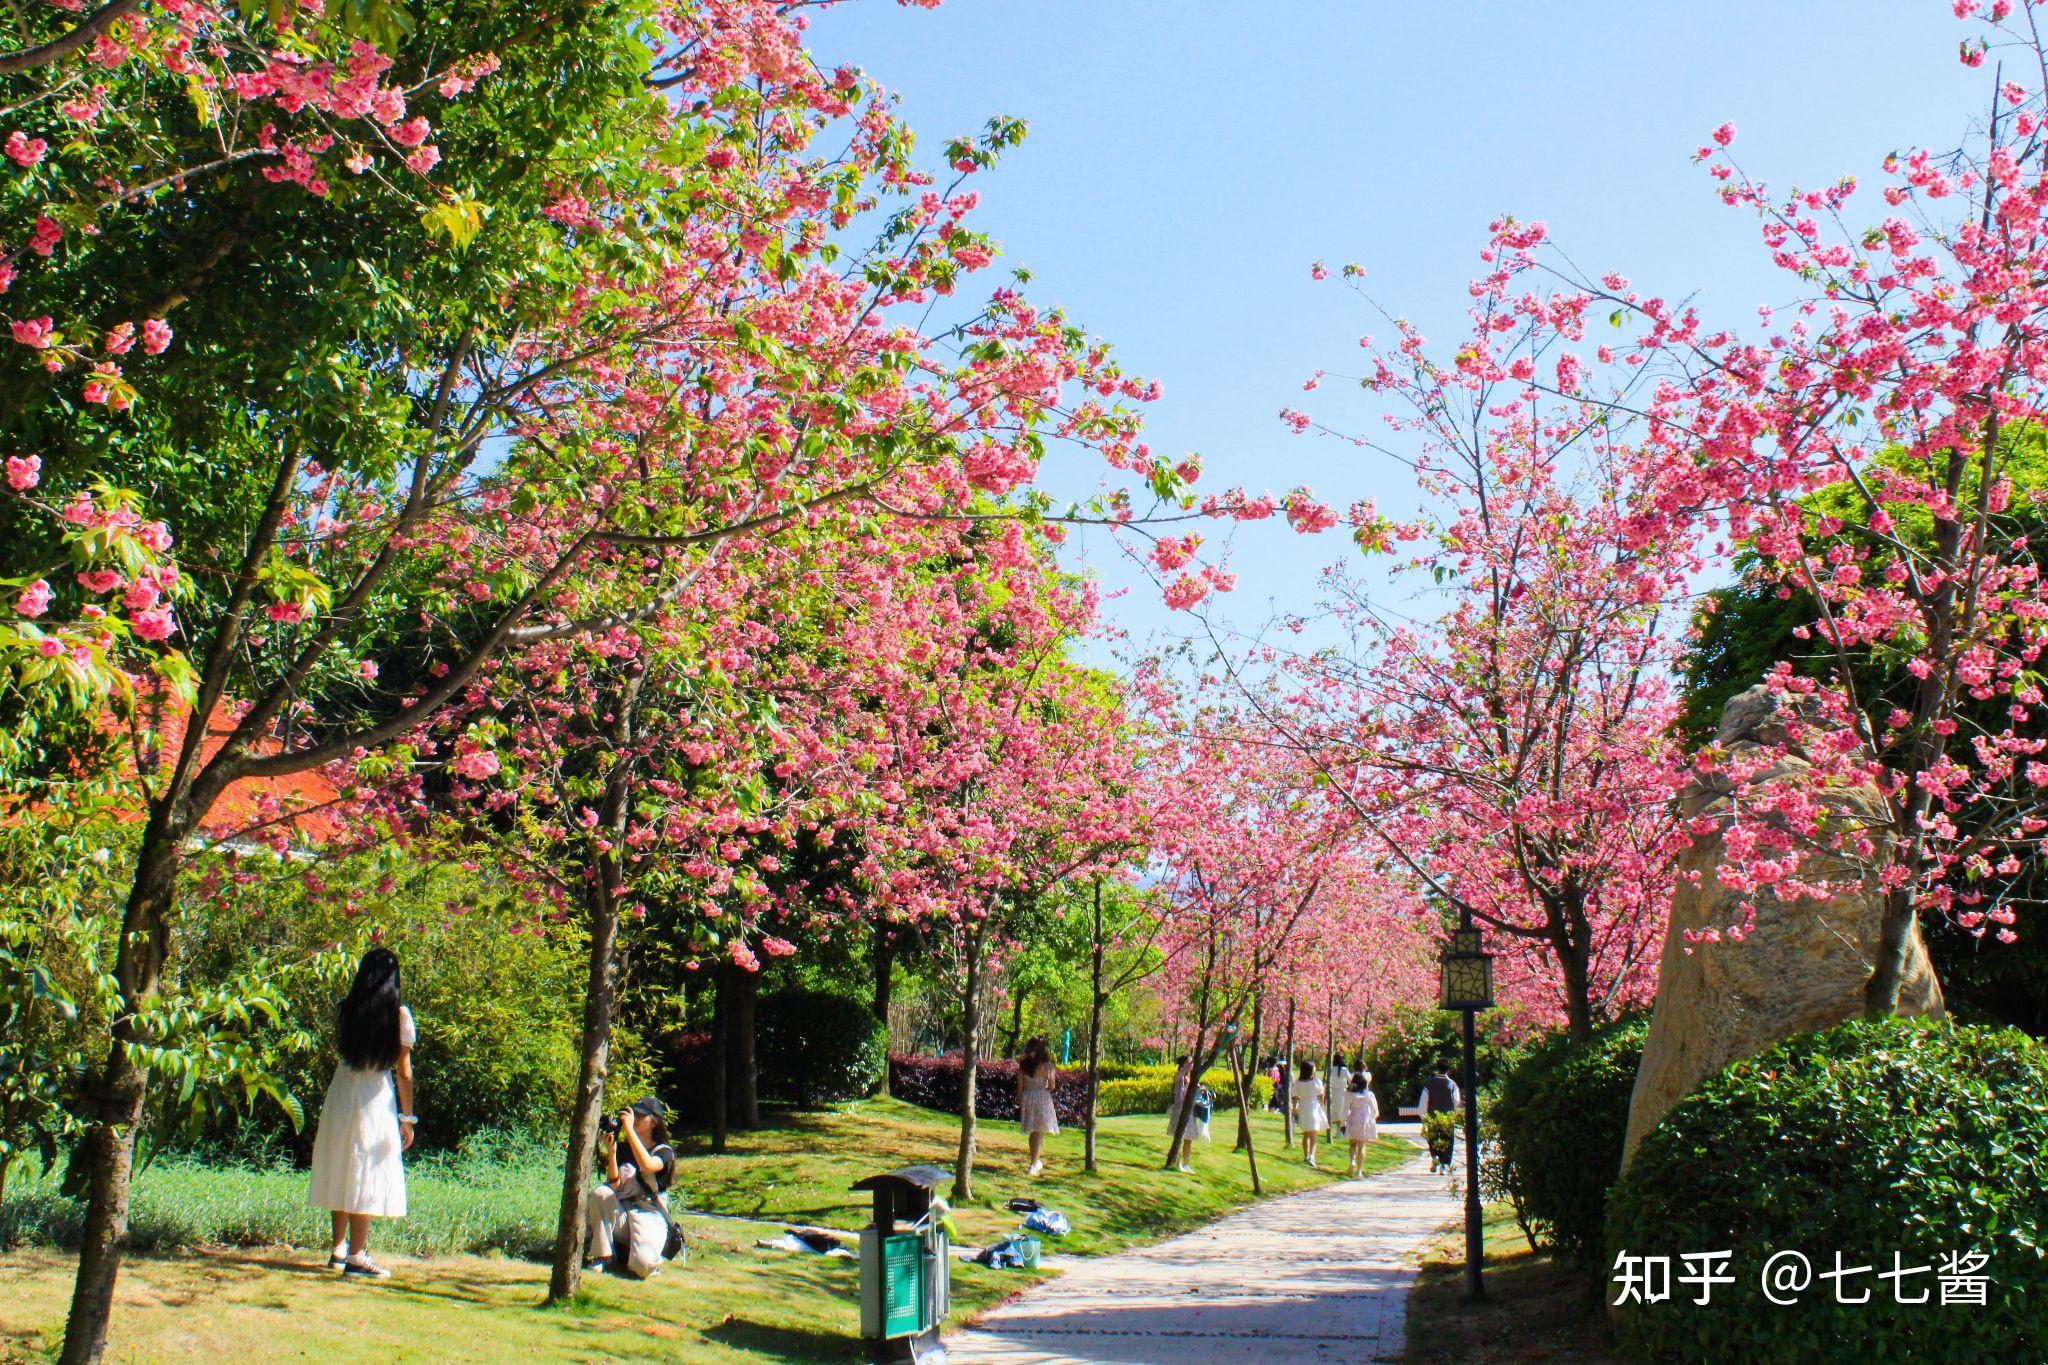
{"points": [[1361, 1119], [1439, 1096], [1198, 1117], [1037, 1116], [1310, 1118], [366, 1122]]}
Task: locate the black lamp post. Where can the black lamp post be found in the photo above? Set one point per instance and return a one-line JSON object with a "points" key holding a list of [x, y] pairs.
{"points": [[1465, 983]]}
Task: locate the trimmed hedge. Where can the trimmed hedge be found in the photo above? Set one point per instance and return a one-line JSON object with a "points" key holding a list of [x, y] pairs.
{"points": [[1150, 1091], [1562, 1113], [815, 1047], [934, 1083], [1865, 1140]]}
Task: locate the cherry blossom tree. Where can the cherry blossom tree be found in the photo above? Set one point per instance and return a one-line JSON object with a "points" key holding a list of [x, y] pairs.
{"points": [[602, 326], [1902, 380], [1511, 751]]}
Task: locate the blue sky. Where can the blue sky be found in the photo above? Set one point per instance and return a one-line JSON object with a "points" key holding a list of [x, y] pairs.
{"points": [[1188, 161]]}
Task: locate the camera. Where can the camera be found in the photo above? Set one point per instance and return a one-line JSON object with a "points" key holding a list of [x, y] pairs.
{"points": [[609, 1123]]}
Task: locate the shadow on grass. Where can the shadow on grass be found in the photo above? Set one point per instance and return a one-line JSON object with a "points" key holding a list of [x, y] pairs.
{"points": [[784, 1343]]}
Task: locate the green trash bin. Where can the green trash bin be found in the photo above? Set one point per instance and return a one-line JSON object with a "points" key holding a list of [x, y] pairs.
{"points": [[905, 1286]]}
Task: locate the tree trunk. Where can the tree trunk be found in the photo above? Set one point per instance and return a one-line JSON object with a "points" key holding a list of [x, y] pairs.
{"points": [[1287, 1079], [743, 1073], [595, 1047], [970, 1055], [721, 1083], [1244, 1113], [1096, 1001], [884, 964], [1888, 973], [1016, 1026], [1197, 1064], [113, 1100], [1244, 1106], [606, 892], [1578, 990]]}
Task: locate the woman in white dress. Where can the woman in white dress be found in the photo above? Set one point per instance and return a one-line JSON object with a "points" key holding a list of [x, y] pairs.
{"points": [[1197, 1129], [367, 1120], [1037, 1116], [1310, 1118], [1361, 1119]]}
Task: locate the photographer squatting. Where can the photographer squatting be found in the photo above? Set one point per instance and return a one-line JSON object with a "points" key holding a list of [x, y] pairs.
{"points": [[627, 1216]]}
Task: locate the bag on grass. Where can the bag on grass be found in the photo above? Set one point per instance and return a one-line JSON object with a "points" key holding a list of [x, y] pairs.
{"points": [[1205, 1103], [1051, 1222], [1012, 1253]]}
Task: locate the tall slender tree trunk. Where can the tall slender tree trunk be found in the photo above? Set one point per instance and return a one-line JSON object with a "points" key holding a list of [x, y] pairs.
{"points": [[970, 1065], [606, 887], [1244, 1113], [595, 1061], [1197, 1063], [1244, 1105], [743, 1072], [721, 1056], [1016, 1025], [882, 961], [1096, 1001], [1287, 1080], [113, 1099]]}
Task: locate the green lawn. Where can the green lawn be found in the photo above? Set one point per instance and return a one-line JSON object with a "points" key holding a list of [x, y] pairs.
{"points": [[1535, 1308], [731, 1302]]}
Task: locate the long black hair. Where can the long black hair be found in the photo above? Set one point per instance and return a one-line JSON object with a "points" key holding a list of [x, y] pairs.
{"points": [[1036, 1057], [366, 1025]]}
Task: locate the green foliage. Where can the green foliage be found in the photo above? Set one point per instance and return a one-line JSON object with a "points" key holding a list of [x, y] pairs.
{"points": [[1149, 1090], [1867, 1139], [1561, 1113], [1402, 1057], [496, 993], [1440, 1134], [817, 1047], [218, 1049]]}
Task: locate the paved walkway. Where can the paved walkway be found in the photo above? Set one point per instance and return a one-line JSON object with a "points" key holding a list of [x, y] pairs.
{"points": [[1317, 1276]]}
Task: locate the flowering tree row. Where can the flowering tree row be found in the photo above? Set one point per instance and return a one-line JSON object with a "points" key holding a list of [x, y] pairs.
{"points": [[483, 366]]}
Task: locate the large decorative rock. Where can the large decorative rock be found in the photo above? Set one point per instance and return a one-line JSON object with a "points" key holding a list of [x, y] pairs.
{"points": [[1804, 966]]}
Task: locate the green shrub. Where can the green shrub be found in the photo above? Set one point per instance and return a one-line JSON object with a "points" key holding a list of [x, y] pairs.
{"points": [[815, 1047], [498, 996], [1869, 1139], [1562, 1112], [1401, 1058], [1150, 1091]]}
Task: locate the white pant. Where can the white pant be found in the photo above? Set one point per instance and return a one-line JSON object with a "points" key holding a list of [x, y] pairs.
{"points": [[643, 1231]]}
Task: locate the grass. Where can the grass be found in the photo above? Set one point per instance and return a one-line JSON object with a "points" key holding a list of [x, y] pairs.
{"points": [[1536, 1309], [729, 1302]]}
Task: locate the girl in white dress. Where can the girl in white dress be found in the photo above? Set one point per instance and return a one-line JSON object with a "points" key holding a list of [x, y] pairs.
{"points": [[367, 1120], [1310, 1118], [1036, 1114], [1361, 1119]]}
